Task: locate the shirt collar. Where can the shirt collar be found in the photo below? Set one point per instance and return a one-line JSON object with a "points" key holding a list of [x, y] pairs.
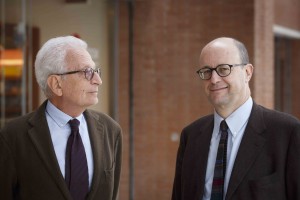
{"points": [[235, 120], [59, 117]]}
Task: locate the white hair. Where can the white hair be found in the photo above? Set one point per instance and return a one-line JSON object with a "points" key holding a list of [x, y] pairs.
{"points": [[51, 59]]}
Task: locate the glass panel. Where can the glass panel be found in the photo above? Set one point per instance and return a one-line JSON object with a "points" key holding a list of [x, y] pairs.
{"points": [[15, 60]]}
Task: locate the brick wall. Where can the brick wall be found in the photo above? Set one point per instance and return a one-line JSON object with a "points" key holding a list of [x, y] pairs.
{"points": [[287, 13], [263, 53]]}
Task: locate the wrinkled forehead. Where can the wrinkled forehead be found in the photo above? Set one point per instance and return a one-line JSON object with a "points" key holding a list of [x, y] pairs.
{"points": [[78, 58], [219, 52]]}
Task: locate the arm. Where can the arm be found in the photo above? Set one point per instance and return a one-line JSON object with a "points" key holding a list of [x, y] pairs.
{"points": [[293, 166], [118, 162], [176, 194], [7, 171]]}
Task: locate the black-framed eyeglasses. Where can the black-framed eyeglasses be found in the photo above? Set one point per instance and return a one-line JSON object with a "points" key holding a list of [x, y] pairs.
{"points": [[222, 70], [88, 72]]}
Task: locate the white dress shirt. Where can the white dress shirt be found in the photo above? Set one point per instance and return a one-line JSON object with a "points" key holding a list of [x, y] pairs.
{"points": [[237, 123], [60, 131]]}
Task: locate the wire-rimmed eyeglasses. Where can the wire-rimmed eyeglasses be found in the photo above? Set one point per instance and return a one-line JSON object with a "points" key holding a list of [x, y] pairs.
{"points": [[88, 72], [222, 70]]}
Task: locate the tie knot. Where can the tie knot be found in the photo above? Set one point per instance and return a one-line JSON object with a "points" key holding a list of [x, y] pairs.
{"points": [[223, 126], [74, 124]]}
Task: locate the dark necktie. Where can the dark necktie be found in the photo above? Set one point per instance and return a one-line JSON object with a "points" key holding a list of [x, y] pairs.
{"points": [[217, 191], [76, 171]]}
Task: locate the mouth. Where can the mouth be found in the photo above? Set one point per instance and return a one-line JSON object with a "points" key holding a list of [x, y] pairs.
{"points": [[94, 92], [216, 89]]}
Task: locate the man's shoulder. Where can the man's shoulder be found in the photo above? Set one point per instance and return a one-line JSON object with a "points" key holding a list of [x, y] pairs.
{"points": [[200, 122], [274, 114], [16, 127], [19, 121], [102, 117], [274, 117]]}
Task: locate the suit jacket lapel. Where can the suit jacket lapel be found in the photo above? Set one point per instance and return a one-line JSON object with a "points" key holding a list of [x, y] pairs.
{"points": [[251, 144], [203, 157], [196, 145], [41, 139], [96, 131]]}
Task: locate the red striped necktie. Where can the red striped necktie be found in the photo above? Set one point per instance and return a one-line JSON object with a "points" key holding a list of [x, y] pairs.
{"points": [[217, 192]]}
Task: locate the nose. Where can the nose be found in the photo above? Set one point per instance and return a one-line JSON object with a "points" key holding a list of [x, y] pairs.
{"points": [[214, 77], [96, 79]]}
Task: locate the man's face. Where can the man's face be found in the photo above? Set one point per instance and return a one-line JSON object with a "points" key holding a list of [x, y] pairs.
{"points": [[77, 91], [225, 92]]}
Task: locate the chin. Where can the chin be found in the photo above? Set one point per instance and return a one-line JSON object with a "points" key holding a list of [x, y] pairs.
{"points": [[217, 102], [95, 102], [92, 102]]}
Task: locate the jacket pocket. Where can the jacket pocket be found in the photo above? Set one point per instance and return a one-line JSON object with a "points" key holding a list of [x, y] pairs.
{"points": [[265, 181], [268, 187]]}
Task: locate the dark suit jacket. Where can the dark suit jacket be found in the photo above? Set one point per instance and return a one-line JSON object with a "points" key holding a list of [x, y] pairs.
{"points": [[267, 166], [29, 169]]}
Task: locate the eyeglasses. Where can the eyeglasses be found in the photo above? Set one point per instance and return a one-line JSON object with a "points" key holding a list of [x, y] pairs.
{"points": [[222, 70], [88, 72]]}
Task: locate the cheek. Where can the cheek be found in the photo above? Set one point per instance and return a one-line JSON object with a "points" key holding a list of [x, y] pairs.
{"points": [[75, 90], [205, 87], [204, 84], [238, 85]]}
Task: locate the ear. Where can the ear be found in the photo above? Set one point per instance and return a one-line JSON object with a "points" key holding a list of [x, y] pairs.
{"points": [[249, 72], [54, 83]]}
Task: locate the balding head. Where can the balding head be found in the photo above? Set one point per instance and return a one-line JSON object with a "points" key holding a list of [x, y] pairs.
{"points": [[231, 45]]}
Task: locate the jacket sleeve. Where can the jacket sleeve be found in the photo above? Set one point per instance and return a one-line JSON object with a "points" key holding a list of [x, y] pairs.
{"points": [[176, 194], [118, 164], [7, 171], [293, 165]]}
